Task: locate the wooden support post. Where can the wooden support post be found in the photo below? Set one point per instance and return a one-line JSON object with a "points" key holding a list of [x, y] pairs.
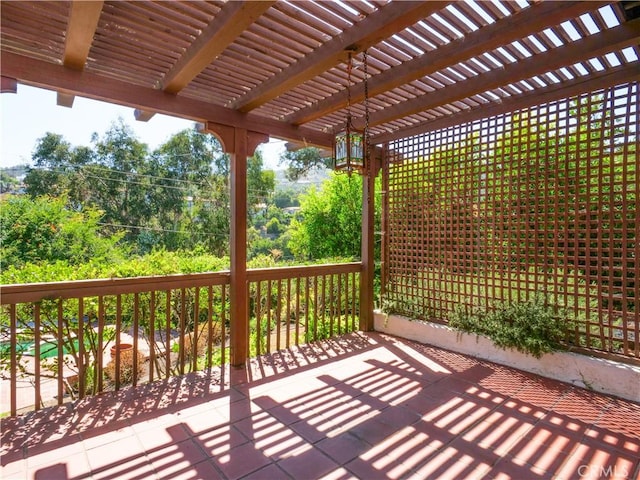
{"points": [[240, 144], [238, 289], [367, 245]]}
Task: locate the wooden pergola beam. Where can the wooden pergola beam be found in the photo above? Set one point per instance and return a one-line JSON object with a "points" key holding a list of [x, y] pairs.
{"points": [[598, 44], [83, 22], [577, 86], [50, 76], [383, 23], [526, 22]]}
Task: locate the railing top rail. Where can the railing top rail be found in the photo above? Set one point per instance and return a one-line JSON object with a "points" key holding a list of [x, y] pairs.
{"points": [[280, 273], [34, 292]]}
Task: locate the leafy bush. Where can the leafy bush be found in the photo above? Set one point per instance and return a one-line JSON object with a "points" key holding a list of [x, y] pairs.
{"points": [[44, 230], [533, 326]]}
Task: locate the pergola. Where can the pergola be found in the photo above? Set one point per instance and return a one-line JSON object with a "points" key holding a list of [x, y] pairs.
{"points": [[507, 136], [251, 70]]}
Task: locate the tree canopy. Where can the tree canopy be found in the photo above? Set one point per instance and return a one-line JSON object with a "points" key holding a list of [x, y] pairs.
{"points": [[176, 197]]}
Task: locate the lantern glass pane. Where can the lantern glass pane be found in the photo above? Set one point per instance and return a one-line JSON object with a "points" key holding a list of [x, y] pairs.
{"points": [[340, 151], [356, 144]]}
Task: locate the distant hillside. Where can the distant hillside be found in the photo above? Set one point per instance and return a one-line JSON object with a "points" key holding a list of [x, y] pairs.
{"points": [[315, 177], [18, 171]]}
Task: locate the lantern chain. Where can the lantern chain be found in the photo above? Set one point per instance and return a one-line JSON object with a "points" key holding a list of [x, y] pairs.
{"points": [[349, 65]]}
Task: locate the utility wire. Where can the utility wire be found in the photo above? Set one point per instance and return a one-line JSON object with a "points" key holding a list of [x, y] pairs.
{"points": [[226, 188]]}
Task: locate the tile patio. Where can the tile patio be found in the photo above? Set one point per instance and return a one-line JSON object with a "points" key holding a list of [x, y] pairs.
{"points": [[362, 406]]}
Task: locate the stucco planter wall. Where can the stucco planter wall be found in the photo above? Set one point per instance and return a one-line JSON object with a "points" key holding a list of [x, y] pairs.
{"points": [[601, 375]]}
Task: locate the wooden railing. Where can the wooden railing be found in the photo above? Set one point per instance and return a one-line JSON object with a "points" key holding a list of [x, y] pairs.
{"points": [[66, 340], [290, 306]]}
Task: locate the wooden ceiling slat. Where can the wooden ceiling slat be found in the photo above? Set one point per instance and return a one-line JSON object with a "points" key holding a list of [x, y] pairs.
{"points": [[450, 17], [297, 32], [474, 16], [155, 15], [379, 25], [588, 47], [303, 20], [598, 80], [475, 43]]}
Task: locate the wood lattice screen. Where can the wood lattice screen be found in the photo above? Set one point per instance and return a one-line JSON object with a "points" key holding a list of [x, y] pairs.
{"points": [[543, 200]]}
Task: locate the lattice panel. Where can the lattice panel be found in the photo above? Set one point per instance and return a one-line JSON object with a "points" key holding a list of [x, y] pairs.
{"points": [[540, 201]]}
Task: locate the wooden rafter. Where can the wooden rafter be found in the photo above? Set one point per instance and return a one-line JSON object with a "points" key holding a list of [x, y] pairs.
{"points": [[576, 86], [503, 32], [47, 75], [83, 21], [580, 50], [388, 20], [9, 85]]}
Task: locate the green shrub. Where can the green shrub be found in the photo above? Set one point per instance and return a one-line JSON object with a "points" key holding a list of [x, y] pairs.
{"points": [[534, 326]]}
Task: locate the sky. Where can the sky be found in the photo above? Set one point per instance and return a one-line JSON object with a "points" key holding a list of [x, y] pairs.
{"points": [[32, 112]]}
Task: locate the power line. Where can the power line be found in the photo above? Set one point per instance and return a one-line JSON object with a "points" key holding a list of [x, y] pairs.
{"points": [[226, 188], [158, 229]]}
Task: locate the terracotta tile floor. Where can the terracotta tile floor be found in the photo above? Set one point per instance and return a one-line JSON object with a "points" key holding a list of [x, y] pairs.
{"points": [[363, 406]]}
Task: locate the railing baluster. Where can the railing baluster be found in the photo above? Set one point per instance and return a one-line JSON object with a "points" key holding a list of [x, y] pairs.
{"points": [[268, 332], [167, 330], [13, 360], [288, 315], [258, 319], [279, 316], [81, 350], [325, 305], [297, 314], [60, 366], [182, 329], [152, 334], [196, 330], [316, 311], [307, 309], [36, 345], [339, 293], [223, 324], [99, 364], [353, 301], [136, 320], [209, 325], [118, 359]]}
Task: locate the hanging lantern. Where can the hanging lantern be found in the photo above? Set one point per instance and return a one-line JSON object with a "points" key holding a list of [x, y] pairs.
{"points": [[349, 145], [348, 149]]}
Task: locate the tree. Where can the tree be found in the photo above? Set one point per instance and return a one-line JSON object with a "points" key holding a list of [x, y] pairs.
{"points": [[174, 198], [44, 230], [7, 183], [330, 221], [120, 180], [191, 192], [300, 162], [58, 170], [260, 183]]}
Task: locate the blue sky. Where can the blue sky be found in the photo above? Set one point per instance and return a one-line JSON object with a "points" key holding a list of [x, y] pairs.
{"points": [[32, 112]]}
